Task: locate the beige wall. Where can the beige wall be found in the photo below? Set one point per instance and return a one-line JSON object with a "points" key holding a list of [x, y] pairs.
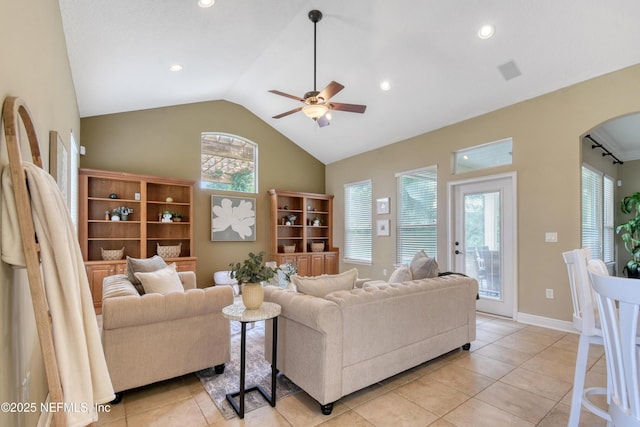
{"points": [[35, 68], [166, 142], [546, 135]]}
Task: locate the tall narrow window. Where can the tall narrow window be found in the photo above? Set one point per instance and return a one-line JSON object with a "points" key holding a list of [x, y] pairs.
{"points": [[228, 162], [357, 222], [417, 213], [597, 214]]}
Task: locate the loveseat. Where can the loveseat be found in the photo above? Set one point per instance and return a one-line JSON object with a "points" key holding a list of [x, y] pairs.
{"points": [[154, 337], [333, 345]]}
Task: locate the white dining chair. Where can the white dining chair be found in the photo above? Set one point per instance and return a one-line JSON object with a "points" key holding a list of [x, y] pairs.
{"points": [[618, 301], [585, 320]]}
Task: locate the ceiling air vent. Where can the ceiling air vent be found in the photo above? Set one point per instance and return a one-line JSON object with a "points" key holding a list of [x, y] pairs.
{"points": [[509, 70]]}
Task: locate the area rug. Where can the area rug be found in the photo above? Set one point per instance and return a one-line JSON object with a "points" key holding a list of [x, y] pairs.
{"points": [[258, 371]]}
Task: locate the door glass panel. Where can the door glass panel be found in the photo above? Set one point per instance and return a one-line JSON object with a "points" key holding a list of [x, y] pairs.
{"points": [[482, 242]]}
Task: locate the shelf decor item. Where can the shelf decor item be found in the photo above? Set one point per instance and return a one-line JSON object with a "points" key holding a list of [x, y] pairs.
{"points": [[112, 254], [169, 251], [249, 274], [289, 249], [317, 247]]}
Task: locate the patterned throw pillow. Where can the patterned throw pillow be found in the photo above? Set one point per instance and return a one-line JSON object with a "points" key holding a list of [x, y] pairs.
{"points": [[423, 267], [163, 281], [143, 265], [401, 274]]}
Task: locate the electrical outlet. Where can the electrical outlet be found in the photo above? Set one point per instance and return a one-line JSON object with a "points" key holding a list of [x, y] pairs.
{"points": [[384, 272], [549, 293]]}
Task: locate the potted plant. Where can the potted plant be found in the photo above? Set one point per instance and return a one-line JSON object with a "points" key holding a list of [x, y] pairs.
{"points": [[121, 213], [630, 233], [250, 273], [177, 217]]}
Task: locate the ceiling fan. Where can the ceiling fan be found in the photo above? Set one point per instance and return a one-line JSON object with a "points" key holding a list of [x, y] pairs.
{"points": [[317, 104]]}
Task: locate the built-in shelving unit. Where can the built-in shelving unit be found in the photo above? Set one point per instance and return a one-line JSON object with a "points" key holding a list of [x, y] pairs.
{"points": [[149, 196], [297, 240]]}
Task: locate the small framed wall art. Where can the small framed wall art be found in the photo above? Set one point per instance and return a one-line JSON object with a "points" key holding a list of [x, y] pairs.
{"points": [[382, 227], [382, 206], [233, 219]]}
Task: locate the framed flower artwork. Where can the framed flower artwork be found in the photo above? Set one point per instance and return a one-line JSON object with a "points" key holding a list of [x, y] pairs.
{"points": [[233, 219]]}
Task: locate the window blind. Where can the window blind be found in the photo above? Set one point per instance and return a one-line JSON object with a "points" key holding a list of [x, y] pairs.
{"points": [[358, 229], [416, 225], [598, 214]]}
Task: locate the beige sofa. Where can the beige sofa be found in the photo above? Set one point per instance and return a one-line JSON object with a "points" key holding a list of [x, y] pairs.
{"points": [[154, 337], [349, 339]]}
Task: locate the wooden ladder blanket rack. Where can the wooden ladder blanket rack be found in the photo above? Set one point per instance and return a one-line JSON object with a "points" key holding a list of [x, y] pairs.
{"points": [[14, 109]]}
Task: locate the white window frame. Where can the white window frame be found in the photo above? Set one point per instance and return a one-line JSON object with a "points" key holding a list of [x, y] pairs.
{"points": [[407, 246], [358, 224], [597, 214]]}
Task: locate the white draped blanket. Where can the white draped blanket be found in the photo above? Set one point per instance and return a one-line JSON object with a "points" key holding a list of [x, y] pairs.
{"points": [[83, 369]]}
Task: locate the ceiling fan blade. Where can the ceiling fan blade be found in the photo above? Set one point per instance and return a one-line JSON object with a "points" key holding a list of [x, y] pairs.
{"points": [[295, 110], [277, 92], [352, 108], [330, 90], [323, 121]]}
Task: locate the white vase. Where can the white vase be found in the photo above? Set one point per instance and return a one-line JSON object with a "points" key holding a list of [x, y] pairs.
{"points": [[252, 295]]}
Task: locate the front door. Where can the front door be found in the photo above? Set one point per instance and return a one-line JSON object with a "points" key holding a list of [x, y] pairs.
{"points": [[483, 240]]}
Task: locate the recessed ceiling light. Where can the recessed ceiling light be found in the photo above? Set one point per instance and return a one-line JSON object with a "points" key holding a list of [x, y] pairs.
{"points": [[206, 3], [385, 85], [175, 67], [486, 31], [328, 116]]}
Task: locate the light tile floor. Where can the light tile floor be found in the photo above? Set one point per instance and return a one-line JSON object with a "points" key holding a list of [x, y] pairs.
{"points": [[514, 375]]}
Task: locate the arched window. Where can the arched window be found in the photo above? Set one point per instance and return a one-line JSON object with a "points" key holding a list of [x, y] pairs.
{"points": [[228, 162]]}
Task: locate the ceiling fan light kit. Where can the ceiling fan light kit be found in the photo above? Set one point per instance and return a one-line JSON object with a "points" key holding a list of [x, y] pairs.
{"points": [[317, 103]]}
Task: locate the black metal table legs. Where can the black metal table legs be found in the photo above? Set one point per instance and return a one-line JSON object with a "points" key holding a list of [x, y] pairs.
{"points": [[239, 406]]}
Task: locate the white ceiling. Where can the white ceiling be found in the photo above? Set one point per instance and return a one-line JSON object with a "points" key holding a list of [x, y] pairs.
{"points": [[440, 71]]}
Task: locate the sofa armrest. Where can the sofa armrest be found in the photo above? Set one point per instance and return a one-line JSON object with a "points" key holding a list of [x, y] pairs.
{"points": [[137, 310], [188, 279], [316, 313]]}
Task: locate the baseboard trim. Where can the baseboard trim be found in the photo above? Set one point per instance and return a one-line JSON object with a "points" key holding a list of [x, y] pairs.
{"points": [[545, 322]]}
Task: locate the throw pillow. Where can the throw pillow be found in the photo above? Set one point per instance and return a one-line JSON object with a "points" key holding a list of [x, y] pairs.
{"points": [[401, 274], [143, 265], [319, 286], [423, 267], [163, 281]]}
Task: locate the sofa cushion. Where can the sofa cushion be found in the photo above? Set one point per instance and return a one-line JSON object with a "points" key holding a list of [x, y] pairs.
{"points": [[163, 281], [401, 274], [423, 267], [143, 265], [319, 286]]}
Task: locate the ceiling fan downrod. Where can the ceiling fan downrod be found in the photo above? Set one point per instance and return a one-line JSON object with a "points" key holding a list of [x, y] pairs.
{"points": [[315, 16]]}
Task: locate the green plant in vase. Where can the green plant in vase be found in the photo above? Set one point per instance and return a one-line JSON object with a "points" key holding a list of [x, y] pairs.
{"points": [[630, 233], [249, 274]]}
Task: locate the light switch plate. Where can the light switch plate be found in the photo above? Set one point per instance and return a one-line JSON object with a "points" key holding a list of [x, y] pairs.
{"points": [[551, 237]]}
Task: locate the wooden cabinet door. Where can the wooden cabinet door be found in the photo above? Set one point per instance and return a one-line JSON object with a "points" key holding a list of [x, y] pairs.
{"points": [[302, 261], [96, 274], [331, 263], [317, 264]]}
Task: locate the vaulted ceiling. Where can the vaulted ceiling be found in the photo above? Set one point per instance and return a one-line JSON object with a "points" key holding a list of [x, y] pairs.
{"points": [[439, 70]]}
